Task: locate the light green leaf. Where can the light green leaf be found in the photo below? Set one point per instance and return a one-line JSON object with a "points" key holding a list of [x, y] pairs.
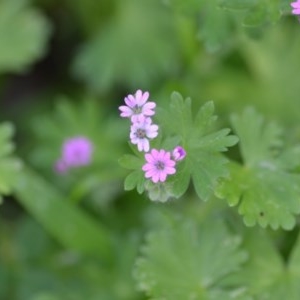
{"points": [[130, 162], [264, 188], [255, 12], [65, 222], [9, 166], [135, 179], [203, 163], [24, 33], [187, 261], [122, 52], [236, 4], [265, 274]]}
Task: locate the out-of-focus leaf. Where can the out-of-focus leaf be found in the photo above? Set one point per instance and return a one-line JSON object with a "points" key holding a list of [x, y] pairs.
{"points": [[185, 261], [265, 274], [265, 188], [24, 33], [133, 49], [9, 166], [64, 221], [255, 12], [130, 162], [70, 120]]}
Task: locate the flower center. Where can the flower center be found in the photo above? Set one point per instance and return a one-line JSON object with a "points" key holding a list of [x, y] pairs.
{"points": [[137, 110], [160, 165], [140, 133]]}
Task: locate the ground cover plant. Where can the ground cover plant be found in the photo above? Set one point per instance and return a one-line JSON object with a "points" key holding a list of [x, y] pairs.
{"points": [[150, 149]]}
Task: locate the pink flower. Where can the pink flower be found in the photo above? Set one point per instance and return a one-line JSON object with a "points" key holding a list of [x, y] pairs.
{"points": [[159, 165], [141, 131], [296, 7], [60, 166], [76, 152], [178, 153], [137, 106]]}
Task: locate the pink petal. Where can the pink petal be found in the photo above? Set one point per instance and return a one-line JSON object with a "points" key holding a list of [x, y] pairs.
{"points": [[125, 111], [148, 109], [146, 145], [151, 173], [149, 158], [154, 154], [130, 101], [295, 4], [170, 170], [141, 97], [162, 176], [161, 155], [155, 178], [296, 11], [148, 167]]}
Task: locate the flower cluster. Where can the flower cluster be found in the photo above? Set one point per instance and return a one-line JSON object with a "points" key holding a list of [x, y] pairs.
{"points": [[296, 7], [159, 163], [76, 152]]}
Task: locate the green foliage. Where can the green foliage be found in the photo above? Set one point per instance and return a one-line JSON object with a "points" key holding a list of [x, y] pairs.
{"points": [[256, 12], [45, 203], [204, 163], [9, 165], [83, 118], [76, 235], [130, 50], [38, 268], [265, 186], [186, 260], [24, 32], [266, 275]]}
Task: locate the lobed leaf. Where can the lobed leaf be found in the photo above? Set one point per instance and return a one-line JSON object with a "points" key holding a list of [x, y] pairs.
{"points": [[204, 163], [264, 186], [265, 274], [187, 261]]}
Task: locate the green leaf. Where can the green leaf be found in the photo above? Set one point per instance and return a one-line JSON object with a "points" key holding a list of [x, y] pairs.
{"points": [[24, 33], [264, 187], [9, 166], [256, 12], [203, 163], [265, 274], [130, 162], [180, 183], [65, 222], [236, 4], [135, 179], [187, 261], [136, 62]]}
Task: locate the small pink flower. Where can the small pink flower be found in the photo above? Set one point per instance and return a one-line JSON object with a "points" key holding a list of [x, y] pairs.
{"points": [[141, 131], [60, 166], [137, 106], [159, 165], [296, 7], [178, 153], [76, 152]]}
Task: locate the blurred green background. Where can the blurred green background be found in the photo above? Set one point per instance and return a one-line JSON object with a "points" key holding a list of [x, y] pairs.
{"points": [[65, 67]]}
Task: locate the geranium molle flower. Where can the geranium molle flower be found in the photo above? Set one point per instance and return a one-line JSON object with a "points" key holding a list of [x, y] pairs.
{"points": [[137, 106], [76, 152], [159, 165], [178, 153], [141, 131], [296, 7]]}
